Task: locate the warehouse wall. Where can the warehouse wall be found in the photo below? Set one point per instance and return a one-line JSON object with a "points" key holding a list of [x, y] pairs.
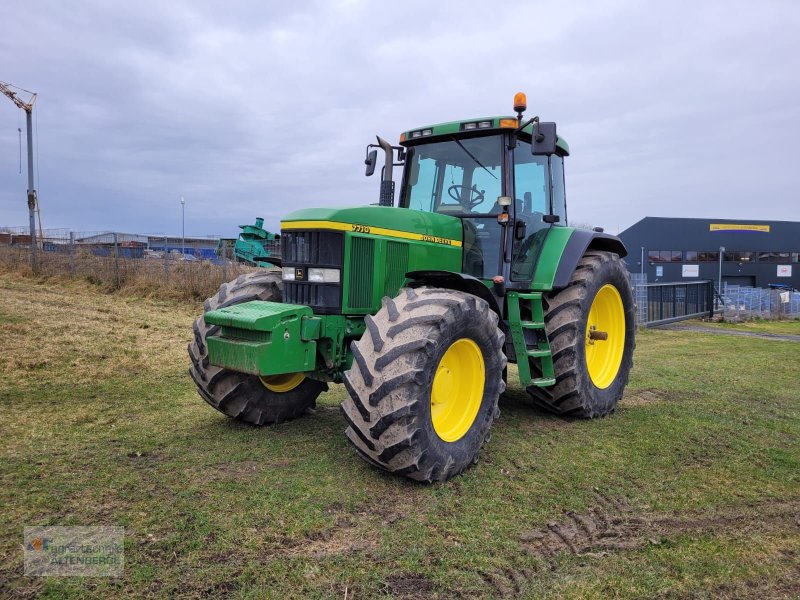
{"points": [[757, 253]]}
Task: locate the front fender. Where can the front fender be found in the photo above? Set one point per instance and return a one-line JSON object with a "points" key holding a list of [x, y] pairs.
{"points": [[455, 281]]}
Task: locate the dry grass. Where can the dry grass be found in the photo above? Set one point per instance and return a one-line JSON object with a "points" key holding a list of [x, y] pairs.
{"points": [[147, 278], [71, 328]]}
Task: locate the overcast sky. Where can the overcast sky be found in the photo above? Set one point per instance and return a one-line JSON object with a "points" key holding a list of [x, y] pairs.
{"points": [[257, 108]]}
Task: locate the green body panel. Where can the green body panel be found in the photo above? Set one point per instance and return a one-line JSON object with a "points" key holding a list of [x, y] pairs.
{"points": [[380, 270], [548, 257], [261, 338], [455, 127]]}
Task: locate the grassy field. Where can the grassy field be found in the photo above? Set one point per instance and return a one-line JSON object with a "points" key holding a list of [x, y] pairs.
{"points": [[692, 488]]}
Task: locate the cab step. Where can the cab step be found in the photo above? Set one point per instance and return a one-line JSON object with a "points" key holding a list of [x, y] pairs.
{"points": [[539, 350]]}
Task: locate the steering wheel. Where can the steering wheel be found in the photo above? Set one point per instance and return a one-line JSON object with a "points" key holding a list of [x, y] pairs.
{"points": [[476, 196]]}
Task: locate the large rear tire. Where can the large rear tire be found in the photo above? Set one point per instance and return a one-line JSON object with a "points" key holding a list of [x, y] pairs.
{"points": [[424, 385], [591, 372], [248, 398]]}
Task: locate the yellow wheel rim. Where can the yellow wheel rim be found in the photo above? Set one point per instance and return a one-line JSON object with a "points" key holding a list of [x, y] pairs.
{"points": [[605, 336], [282, 383], [457, 390]]}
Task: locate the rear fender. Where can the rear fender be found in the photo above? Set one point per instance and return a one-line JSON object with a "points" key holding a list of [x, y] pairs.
{"points": [[579, 242]]}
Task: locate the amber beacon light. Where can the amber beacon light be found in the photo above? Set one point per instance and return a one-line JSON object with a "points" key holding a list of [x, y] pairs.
{"points": [[520, 102]]}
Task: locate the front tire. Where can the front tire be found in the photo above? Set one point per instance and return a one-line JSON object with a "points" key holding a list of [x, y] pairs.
{"points": [[424, 385], [248, 398], [591, 372]]}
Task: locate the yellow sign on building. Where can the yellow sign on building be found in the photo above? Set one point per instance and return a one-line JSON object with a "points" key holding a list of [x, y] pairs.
{"points": [[738, 227]]}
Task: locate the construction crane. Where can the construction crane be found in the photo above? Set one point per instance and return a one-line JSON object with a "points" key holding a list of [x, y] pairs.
{"points": [[6, 89]]}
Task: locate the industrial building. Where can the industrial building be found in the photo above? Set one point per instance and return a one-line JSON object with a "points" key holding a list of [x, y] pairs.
{"points": [[751, 253], [200, 247]]}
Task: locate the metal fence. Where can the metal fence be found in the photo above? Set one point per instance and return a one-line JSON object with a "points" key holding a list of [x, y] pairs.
{"points": [[662, 303], [639, 283], [741, 303]]}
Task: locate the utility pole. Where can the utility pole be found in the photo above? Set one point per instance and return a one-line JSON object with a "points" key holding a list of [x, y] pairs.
{"points": [[721, 253], [5, 88]]}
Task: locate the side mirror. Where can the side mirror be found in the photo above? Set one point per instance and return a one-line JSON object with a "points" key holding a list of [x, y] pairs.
{"points": [[544, 139], [520, 229], [372, 158]]}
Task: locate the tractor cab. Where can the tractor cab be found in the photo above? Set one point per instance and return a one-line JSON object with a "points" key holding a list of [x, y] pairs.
{"points": [[506, 188]]}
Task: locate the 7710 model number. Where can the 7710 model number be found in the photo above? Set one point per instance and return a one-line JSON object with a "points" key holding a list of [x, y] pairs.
{"points": [[360, 228]]}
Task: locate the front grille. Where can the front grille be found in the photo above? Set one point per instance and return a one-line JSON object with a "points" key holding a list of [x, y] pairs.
{"points": [[396, 267], [316, 248], [362, 272], [313, 249]]}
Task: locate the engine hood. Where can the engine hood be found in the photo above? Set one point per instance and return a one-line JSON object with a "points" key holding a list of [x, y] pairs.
{"points": [[380, 220]]}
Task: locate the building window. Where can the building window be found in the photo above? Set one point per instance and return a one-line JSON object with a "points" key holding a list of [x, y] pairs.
{"points": [[664, 255], [708, 256], [691, 255], [795, 257], [740, 257], [774, 257]]}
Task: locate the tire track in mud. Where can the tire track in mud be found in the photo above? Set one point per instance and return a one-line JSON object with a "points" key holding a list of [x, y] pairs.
{"points": [[612, 525]]}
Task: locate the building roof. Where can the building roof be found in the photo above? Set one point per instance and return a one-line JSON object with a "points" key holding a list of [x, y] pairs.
{"points": [[108, 238], [677, 233]]}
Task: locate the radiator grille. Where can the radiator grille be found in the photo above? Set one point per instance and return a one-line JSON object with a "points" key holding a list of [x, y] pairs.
{"points": [[396, 267], [362, 273], [317, 248]]}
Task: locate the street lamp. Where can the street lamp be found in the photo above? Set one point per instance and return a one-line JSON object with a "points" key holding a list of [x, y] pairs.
{"points": [[721, 252], [642, 263], [183, 228]]}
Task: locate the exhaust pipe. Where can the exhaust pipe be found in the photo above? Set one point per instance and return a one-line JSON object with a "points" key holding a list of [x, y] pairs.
{"points": [[387, 183]]}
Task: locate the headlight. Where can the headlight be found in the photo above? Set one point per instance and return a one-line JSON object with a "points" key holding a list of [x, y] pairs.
{"points": [[288, 273], [323, 275]]}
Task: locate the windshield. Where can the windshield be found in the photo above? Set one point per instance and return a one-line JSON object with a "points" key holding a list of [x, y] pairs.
{"points": [[456, 177]]}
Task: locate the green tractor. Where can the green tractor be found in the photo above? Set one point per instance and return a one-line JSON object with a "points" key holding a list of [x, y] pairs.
{"points": [[417, 308]]}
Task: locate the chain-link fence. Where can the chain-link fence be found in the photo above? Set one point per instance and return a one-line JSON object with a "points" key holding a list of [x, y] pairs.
{"points": [[143, 264], [639, 283], [744, 303], [736, 303]]}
